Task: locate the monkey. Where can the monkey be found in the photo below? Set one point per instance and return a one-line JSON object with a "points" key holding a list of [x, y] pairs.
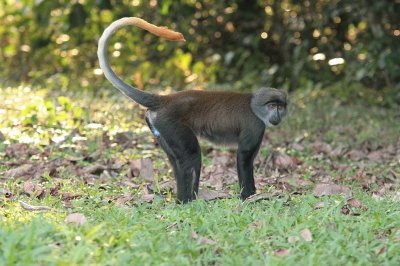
{"points": [[177, 119]]}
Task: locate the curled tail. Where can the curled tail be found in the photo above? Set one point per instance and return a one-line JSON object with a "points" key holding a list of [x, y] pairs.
{"points": [[144, 98]]}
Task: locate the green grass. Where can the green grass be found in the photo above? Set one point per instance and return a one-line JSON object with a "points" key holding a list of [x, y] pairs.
{"points": [[161, 232]]}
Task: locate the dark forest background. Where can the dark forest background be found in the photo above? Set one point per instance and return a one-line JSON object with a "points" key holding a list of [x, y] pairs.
{"points": [[289, 44]]}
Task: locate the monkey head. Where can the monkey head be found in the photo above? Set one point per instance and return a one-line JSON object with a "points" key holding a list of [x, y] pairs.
{"points": [[269, 105]]}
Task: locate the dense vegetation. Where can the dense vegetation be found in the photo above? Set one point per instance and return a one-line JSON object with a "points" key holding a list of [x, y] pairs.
{"points": [[269, 42]]}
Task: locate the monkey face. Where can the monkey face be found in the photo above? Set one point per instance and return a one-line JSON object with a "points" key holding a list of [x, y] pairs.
{"points": [[269, 105], [275, 112]]}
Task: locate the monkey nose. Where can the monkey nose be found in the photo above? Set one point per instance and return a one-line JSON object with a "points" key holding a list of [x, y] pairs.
{"points": [[274, 121]]}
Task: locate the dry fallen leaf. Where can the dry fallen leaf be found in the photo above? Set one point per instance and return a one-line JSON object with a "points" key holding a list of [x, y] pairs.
{"points": [[354, 203], [321, 147], [321, 190], [257, 224], [207, 194], [20, 150], [351, 205], [76, 218], [121, 201], [295, 180], [293, 239], [164, 186], [68, 204], [381, 251], [202, 239], [23, 170], [33, 189], [356, 155], [95, 169], [319, 205], [306, 235], [282, 252], [143, 168], [262, 196], [281, 161], [69, 196], [297, 147], [339, 151], [148, 198]]}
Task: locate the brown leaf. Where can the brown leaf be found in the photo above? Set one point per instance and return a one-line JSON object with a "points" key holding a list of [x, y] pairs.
{"points": [[257, 224], [354, 203], [121, 201], [69, 196], [143, 168], [262, 196], [319, 205], [351, 205], [32, 189], [297, 147], [282, 252], [339, 151], [206, 194], [124, 139], [94, 169], [54, 191], [378, 156], [281, 161], [164, 186], [213, 176], [96, 154], [2, 137], [381, 251], [306, 235], [346, 210], [356, 155], [19, 150], [321, 147], [76, 218], [293, 239], [23, 170], [295, 180], [72, 158], [148, 198], [68, 204], [321, 190], [202, 239]]}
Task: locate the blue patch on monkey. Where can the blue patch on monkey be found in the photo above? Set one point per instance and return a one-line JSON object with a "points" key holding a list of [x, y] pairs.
{"points": [[155, 132]]}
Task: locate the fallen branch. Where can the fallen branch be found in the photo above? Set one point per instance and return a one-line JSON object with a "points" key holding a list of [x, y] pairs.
{"points": [[32, 208]]}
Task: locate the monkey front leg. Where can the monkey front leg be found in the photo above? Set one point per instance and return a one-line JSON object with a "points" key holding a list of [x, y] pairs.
{"points": [[247, 151]]}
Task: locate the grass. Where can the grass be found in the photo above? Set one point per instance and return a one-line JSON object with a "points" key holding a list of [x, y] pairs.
{"points": [[159, 233], [219, 232]]}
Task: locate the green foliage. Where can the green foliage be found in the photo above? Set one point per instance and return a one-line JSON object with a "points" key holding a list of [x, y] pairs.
{"points": [[278, 43]]}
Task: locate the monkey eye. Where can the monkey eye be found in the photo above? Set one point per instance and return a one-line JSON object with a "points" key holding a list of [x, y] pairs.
{"points": [[272, 105]]}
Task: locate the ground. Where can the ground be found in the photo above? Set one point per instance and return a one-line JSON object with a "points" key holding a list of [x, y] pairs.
{"points": [[327, 179]]}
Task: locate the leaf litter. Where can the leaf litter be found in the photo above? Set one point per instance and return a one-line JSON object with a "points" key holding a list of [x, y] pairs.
{"points": [[281, 168]]}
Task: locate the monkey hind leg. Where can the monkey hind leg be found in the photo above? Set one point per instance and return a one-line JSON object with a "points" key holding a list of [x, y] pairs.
{"points": [[183, 150]]}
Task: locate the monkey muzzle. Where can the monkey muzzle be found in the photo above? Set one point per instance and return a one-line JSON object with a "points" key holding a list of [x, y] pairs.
{"points": [[274, 121]]}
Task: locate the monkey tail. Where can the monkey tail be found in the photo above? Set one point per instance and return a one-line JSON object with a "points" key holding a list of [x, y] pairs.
{"points": [[144, 98]]}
